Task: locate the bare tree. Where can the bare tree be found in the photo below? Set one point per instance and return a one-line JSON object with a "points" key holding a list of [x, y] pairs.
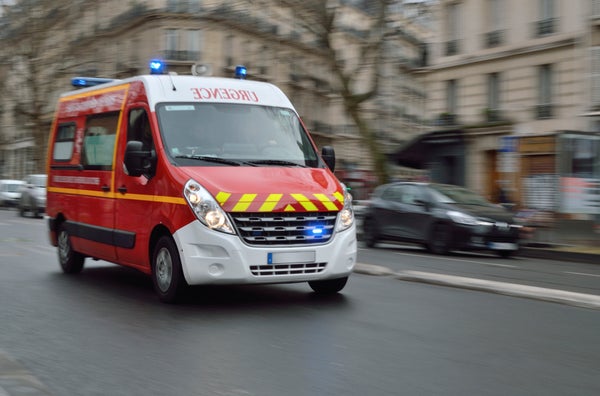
{"points": [[35, 42], [358, 77]]}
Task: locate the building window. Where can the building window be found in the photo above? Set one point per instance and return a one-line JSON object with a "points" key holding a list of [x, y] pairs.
{"points": [[547, 22], [228, 50], [451, 96], [453, 29], [493, 100], [544, 108], [171, 44], [194, 44], [595, 77], [495, 20]]}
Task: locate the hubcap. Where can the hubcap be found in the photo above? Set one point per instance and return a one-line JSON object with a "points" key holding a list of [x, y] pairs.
{"points": [[164, 269], [64, 248]]}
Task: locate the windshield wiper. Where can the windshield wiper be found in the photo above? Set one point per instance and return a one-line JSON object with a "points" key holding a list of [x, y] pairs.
{"points": [[212, 159], [276, 162]]}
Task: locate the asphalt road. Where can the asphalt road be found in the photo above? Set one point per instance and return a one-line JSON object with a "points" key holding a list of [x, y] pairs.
{"points": [[103, 332]]}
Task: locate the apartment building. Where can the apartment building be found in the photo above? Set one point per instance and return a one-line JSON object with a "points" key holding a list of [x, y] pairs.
{"points": [[514, 87], [116, 39]]}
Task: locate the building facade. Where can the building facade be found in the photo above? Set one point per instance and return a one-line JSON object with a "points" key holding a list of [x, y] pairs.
{"points": [[506, 82], [116, 39]]}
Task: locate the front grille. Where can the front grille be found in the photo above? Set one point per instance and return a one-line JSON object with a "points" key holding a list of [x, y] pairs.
{"points": [[261, 229], [287, 269]]}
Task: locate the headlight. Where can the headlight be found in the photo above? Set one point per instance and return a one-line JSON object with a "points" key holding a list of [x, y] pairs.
{"points": [[206, 209], [346, 218]]}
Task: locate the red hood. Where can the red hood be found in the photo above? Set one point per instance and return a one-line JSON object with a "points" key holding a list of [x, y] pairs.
{"points": [[270, 189]]}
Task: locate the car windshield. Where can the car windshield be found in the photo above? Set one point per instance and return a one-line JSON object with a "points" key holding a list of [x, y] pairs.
{"points": [[457, 195], [194, 134], [39, 181]]}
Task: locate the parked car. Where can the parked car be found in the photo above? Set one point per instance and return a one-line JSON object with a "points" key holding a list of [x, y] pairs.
{"points": [[440, 217], [33, 195], [10, 192]]}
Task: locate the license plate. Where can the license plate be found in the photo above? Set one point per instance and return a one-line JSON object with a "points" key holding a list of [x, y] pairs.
{"points": [[502, 246], [291, 257]]}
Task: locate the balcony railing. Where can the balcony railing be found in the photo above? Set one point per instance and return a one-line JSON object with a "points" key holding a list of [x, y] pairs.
{"points": [[545, 27], [544, 111], [494, 39], [451, 47], [188, 56]]}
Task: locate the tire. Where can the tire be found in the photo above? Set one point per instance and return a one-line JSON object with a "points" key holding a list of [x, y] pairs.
{"points": [[439, 239], [329, 286], [370, 232], [505, 253], [167, 275], [70, 261]]}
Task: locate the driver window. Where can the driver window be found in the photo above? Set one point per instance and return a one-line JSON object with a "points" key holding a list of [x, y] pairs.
{"points": [[139, 128]]}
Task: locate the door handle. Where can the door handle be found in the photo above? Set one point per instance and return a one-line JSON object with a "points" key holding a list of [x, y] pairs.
{"points": [[105, 188], [122, 189]]}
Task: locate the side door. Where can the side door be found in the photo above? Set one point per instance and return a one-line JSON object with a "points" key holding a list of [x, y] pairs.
{"points": [[414, 210], [390, 211], [93, 230], [134, 203]]}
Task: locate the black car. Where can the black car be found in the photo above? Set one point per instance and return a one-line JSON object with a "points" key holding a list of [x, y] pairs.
{"points": [[441, 217]]}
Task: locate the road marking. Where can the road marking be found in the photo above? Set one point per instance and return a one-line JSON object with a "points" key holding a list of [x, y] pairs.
{"points": [[581, 273]]}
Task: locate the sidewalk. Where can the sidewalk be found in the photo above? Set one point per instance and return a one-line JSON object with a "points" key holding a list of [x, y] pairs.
{"points": [[579, 253]]}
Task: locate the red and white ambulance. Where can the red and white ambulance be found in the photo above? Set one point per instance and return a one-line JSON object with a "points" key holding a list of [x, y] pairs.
{"points": [[196, 180]]}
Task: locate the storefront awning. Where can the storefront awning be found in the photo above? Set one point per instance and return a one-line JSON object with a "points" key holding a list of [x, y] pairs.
{"points": [[416, 152]]}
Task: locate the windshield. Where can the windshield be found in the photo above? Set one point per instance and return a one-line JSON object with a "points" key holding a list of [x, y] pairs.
{"points": [[457, 195], [39, 181], [195, 134]]}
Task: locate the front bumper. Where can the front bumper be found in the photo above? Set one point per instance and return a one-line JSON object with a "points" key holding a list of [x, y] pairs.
{"points": [[210, 257], [497, 238]]}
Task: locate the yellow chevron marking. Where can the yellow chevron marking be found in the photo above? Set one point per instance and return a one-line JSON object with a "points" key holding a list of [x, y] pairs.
{"points": [[270, 203], [339, 196], [306, 204], [289, 208], [222, 197], [244, 203], [326, 201]]}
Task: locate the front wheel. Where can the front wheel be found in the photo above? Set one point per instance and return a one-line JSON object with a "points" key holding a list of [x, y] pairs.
{"points": [[70, 261], [329, 286], [167, 275], [370, 232]]}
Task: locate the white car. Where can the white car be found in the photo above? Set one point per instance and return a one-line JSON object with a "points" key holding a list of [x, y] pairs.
{"points": [[10, 192], [33, 195]]}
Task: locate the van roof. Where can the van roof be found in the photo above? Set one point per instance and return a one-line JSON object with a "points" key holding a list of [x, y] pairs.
{"points": [[176, 88]]}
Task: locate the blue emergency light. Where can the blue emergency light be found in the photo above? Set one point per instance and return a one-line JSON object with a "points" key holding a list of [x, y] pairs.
{"points": [[241, 72], [82, 82], [157, 67]]}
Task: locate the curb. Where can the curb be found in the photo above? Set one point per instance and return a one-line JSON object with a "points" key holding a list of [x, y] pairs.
{"points": [[559, 255], [590, 301]]}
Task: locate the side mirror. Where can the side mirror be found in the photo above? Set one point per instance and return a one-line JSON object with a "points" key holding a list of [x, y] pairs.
{"points": [[138, 161], [328, 155]]}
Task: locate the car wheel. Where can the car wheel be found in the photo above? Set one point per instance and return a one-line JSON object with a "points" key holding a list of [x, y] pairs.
{"points": [[329, 286], [70, 261], [505, 253], [167, 275], [370, 232], [439, 239]]}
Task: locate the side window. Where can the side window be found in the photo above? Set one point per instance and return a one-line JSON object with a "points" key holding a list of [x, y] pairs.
{"points": [[393, 194], [410, 195], [139, 128], [99, 141], [64, 143]]}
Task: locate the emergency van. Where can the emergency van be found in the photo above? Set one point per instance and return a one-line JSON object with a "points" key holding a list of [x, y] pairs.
{"points": [[195, 180]]}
